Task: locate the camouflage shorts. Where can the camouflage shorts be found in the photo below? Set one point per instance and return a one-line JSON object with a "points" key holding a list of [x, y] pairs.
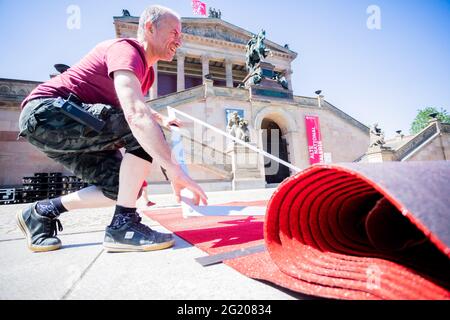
{"points": [[93, 157]]}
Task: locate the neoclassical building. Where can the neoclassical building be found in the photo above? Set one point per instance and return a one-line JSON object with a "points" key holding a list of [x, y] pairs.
{"points": [[202, 81]]}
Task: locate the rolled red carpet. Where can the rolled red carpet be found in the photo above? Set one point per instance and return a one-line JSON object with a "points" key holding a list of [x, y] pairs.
{"points": [[362, 231]]}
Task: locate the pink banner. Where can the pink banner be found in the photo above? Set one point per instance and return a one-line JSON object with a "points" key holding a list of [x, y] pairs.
{"points": [[315, 148], [198, 7]]}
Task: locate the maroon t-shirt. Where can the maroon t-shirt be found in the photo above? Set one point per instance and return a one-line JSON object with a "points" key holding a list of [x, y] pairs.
{"points": [[91, 79]]}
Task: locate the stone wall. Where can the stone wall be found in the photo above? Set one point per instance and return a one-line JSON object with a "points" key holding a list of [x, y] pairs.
{"points": [[18, 158], [437, 149]]}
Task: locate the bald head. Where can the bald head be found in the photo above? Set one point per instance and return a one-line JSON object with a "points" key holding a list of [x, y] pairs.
{"points": [[154, 14]]}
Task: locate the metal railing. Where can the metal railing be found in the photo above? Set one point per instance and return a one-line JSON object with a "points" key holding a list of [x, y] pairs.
{"points": [[172, 113]]}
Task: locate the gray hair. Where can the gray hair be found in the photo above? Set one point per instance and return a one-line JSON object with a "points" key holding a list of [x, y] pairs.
{"points": [[154, 14]]}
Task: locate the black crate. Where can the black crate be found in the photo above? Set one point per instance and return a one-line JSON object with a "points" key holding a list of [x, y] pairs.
{"points": [[55, 174], [28, 180], [7, 196], [32, 198], [47, 185], [34, 180], [34, 193], [41, 174], [55, 186], [18, 193], [54, 194]]}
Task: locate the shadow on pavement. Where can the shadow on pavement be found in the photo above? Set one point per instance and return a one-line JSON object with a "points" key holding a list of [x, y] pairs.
{"points": [[80, 245]]}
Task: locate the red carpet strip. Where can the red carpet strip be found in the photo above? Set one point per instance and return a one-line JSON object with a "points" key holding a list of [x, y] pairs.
{"points": [[348, 231]]}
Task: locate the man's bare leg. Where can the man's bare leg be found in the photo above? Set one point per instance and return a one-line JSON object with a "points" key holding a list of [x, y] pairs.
{"points": [[90, 197], [133, 171]]}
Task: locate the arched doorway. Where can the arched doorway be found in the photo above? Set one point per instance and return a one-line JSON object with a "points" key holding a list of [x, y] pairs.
{"points": [[275, 144]]}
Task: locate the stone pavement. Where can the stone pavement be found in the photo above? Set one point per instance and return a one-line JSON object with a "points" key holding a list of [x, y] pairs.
{"points": [[83, 270]]}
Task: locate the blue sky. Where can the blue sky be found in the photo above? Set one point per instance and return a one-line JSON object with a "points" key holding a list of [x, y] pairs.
{"points": [[379, 76]]}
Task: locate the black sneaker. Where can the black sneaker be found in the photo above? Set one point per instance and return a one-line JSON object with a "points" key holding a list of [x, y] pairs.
{"points": [[132, 235], [39, 231]]}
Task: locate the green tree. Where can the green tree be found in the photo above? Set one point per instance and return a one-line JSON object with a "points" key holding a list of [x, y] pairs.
{"points": [[423, 116]]}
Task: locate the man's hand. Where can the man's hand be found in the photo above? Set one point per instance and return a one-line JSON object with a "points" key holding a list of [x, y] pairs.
{"points": [[181, 181], [167, 122]]}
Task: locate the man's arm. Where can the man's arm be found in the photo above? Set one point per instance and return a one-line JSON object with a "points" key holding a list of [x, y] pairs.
{"points": [[142, 120], [143, 124]]}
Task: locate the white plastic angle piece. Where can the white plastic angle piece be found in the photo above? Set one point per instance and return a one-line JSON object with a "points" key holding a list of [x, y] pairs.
{"points": [[190, 210], [188, 206]]}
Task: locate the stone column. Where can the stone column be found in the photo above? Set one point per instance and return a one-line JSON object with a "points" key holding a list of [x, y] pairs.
{"points": [[380, 154], [180, 70], [154, 88], [289, 78], [247, 173], [229, 72], [293, 148], [205, 66]]}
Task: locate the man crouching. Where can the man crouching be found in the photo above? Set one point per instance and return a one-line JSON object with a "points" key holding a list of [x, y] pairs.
{"points": [[109, 83]]}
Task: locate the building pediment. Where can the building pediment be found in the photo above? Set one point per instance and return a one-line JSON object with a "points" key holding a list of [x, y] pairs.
{"points": [[215, 30], [221, 30]]}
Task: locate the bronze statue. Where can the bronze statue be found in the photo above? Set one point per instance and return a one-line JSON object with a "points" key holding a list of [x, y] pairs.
{"points": [[238, 127], [376, 136], [281, 79], [213, 13], [249, 61], [256, 50], [257, 69], [255, 78]]}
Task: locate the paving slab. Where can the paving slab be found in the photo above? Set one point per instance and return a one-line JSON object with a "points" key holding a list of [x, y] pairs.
{"points": [[47, 275]]}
